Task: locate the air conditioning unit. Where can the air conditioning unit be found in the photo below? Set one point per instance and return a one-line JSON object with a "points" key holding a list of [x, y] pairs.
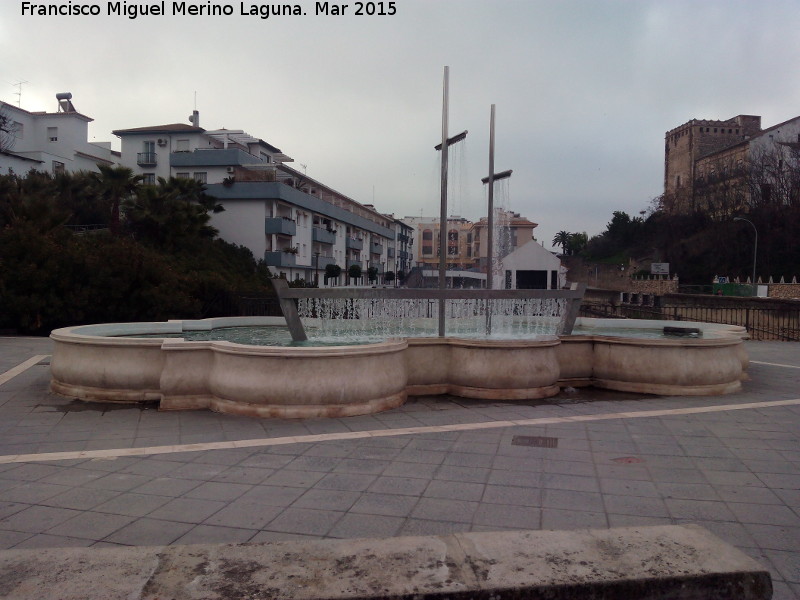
{"points": [[231, 170], [162, 142]]}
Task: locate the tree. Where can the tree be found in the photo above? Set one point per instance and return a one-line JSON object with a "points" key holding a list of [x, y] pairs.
{"points": [[388, 277], [576, 243], [354, 272], [332, 271], [117, 184], [372, 273], [562, 239]]}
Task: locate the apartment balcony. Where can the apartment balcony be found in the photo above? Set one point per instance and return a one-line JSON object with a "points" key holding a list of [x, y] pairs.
{"points": [[146, 159], [403, 254], [321, 262], [280, 259], [353, 261], [323, 236], [376, 248], [376, 265], [354, 244], [280, 225], [402, 237]]}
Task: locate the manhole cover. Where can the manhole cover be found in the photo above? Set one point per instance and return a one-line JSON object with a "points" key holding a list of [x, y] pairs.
{"points": [[628, 460], [534, 441]]}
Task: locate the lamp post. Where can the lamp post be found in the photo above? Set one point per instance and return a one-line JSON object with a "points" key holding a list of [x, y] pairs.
{"points": [[316, 268], [755, 250]]}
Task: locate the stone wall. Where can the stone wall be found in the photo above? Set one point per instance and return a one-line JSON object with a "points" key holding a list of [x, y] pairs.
{"points": [[654, 286], [785, 291]]}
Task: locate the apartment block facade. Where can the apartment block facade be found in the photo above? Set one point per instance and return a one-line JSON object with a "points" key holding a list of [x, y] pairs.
{"points": [[297, 224]]}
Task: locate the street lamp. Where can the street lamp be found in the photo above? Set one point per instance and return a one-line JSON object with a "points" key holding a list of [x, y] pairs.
{"points": [[316, 268], [755, 251]]}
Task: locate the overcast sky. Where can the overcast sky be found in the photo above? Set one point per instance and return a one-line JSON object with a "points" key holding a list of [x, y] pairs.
{"points": [[584, 90]]}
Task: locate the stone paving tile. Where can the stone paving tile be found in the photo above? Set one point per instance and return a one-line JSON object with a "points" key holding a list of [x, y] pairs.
{"points": [[187, 510], [218, 491], [635, 505], [384, 504], [37, 519], [328, 499], [132, 504], [305, 521], [516, 517], [702, 510], [166, 486], [553, 518], [9, 539], [80, 498], [213, 534], [91, 525], [454, 489], [149, 532], [404, 486], [44, 540], [416, 526], [446, 510], [361, 526], [242, 514]]}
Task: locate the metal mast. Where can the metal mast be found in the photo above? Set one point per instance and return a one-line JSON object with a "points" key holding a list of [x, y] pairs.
{"points": [[443, 208]]}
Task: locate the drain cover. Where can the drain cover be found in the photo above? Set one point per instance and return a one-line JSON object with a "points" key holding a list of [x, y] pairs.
{"points": [[534, 441]]}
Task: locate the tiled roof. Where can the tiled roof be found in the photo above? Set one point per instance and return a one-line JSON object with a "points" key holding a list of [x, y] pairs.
{"points": [[172, 128]]}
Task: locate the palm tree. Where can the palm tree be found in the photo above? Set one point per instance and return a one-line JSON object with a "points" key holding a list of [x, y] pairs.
{"points": [[116, 184], [562, 239]]}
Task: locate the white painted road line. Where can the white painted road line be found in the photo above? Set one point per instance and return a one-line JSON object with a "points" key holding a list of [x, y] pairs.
{"points": [[324, 437], [21, 368], [758, 362]]}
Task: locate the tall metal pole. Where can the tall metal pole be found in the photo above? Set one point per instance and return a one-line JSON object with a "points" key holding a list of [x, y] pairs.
{"points": [[755, 251], [443, 211], [490, 221], [490, 226]]}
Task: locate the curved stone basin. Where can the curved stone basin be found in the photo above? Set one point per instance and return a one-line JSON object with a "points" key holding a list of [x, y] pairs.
{"points": [[90, 363]]}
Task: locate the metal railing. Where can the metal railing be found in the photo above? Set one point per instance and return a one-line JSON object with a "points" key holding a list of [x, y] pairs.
{"points": [[761, 323]]}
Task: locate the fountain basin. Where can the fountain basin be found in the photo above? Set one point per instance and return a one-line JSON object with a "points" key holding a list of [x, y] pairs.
{"points": [[89, 362]]}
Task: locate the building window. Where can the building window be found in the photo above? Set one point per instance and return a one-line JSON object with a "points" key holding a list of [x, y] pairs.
{"points": [[202, 177], [182, 175], [149, 178], [58, 167], [52, 134], [182, 146], [427, 249], [149, 147]]}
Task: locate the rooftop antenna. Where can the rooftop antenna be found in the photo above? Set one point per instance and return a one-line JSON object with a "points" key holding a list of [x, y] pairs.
{"points": [[18, 93], [194, 119]]}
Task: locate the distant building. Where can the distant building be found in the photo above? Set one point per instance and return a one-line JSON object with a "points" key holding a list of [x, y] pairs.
{"points": [[297, 224], [707, 163], [520, 264], [54, 142]]}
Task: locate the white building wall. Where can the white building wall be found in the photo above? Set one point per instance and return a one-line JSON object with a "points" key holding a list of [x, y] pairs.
{"points": [[240, 221], [528, 257]]}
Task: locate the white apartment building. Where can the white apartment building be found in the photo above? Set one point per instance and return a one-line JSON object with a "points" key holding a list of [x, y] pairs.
{"points": [[296, 224], [54, 142]]}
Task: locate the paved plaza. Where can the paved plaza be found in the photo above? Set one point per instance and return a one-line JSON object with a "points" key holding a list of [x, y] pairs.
{"points": [[78, 475]]}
